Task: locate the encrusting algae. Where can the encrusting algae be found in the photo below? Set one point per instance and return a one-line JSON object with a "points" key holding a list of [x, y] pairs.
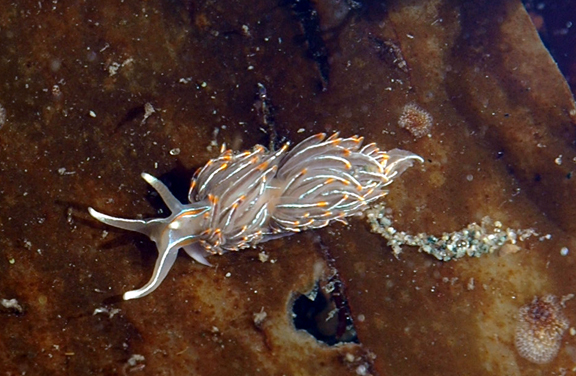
{"points": [[473, 241]]}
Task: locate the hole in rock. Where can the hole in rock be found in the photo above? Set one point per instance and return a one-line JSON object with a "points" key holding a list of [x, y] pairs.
{"points": [[324, 313]]}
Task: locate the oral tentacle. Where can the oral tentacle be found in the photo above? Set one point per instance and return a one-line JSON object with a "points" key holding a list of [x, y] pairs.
{"points": [[163, 265], [138, 225]]}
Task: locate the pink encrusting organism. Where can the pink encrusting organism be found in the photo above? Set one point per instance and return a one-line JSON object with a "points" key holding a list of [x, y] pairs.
{"points": [[241, 199]]}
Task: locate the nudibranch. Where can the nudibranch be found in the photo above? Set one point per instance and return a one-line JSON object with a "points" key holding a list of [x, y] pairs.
{"points": [[241, 199]]}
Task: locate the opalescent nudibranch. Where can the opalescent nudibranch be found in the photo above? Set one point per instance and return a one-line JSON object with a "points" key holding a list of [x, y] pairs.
{"points": [[241, 199]]}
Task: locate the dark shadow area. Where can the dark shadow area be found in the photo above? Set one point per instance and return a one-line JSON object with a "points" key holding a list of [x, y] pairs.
{"points": [[556, 25], [324, 313]]}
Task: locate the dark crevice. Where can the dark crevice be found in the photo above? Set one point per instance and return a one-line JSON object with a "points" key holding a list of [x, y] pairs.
{"points": [[266, 112], [324, 313], [309, 20]]}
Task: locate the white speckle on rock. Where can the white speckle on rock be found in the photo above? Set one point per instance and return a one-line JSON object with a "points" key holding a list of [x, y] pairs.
{"points": [[11, 304], [2, 116]]}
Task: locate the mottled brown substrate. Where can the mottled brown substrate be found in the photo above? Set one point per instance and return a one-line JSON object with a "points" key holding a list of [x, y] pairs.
{"points": [[75, 81]]}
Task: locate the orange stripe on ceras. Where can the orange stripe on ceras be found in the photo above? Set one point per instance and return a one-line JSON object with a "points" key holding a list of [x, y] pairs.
{"points": [[187, 213], [207, 246], [197, 172], [346, 162], [218, 234], [363, 198], [207, 233], [320, 136], [213, 199], [262, 166], [383, 159]]}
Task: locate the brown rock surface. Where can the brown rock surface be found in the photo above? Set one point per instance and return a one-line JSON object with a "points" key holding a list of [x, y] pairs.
{"points": [[78, 82]]}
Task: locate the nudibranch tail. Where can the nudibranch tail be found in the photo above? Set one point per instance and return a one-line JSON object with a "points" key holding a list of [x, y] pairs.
{"points": [[240, 199], [399, 161]]}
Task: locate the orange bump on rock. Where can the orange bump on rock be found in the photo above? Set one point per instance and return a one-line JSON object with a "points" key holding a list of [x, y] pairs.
{"points": [[540, 328], [416, 120]]}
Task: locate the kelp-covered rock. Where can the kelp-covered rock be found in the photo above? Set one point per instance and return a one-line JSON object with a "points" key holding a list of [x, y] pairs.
{"points": [[94, 94]]}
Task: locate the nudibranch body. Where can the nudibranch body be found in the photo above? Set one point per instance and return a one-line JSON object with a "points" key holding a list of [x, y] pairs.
{"points": [[240, 199]]}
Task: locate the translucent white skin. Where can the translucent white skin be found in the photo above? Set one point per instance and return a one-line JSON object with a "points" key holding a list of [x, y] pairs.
{"points": [[241, 199]]}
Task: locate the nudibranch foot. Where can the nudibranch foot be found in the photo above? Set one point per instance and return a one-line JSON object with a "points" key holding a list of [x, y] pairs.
{"points": [[198, 253]]}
